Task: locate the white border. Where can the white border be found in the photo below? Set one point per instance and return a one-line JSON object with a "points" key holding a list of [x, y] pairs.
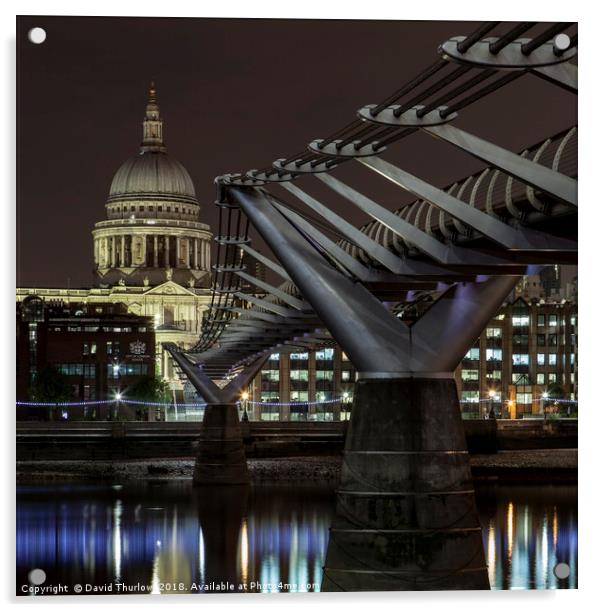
{"points": [[590, 100]]}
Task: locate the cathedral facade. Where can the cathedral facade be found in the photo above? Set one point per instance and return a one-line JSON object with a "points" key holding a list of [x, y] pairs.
{"points": [[151, 253]]}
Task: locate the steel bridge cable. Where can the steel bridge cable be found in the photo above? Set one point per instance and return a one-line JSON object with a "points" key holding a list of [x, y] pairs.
{"points": [[454, 93], [481, 93], [344, 130], [512, 34], [473, 38], [544, 37], [408, 87], [433, 89]]}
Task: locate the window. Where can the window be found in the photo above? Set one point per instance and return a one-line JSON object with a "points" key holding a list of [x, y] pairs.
{"points": [[472, 354], [325, 354], [572, 358], [345, 375], [299, 375], [520, 339], [541, 320], [519, 359], [573, 320], [524, 398], [470, 375], [520, 320], [494, 375], [274, 357], [541, 379], [552, 359], [271, 375], [299, 356], [541, 359], [553, 321], [324, 374], [470, 396], [299, 396], [344, 357], [541, 339], [493, 332], [493, 354], [87, 370], [552, 339], [552, 377], [89, 348]]}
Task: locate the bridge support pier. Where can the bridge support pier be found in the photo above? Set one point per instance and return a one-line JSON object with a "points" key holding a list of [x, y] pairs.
{"points": [[221, 458], [406, 516]]}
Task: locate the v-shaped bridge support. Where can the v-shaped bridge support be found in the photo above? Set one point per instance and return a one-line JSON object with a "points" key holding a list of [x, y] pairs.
{"points": [[221, 455], [406, 516]]}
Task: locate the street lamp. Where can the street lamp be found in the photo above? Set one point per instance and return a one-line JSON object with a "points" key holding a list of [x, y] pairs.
{"points": [[245, 398], [544, 397]]}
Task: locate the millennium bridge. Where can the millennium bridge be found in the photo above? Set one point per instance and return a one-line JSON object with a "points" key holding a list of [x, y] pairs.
{"points": [[405, 516]]}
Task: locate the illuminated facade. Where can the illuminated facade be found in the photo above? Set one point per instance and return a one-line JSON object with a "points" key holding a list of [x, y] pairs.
{"points": [[151, 253]]}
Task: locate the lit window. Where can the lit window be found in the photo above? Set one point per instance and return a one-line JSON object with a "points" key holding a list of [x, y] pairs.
{"points": [[541, 379], [493, 332], [344, 357], [470, 396], [541, 320], [524, 398], [552, 359], [299, 356], [345, 375], [472, 354], [325, 354], [553, 321], [493, 354], [541, 359], [494, 375], [470, 375], [519, 359], [552, 377], [520, 320]]}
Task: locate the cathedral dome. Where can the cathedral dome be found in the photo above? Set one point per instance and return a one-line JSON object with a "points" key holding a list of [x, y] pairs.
{"points": [[152, 174]]}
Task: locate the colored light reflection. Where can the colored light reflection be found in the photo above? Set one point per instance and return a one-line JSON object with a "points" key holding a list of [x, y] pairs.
{"points": [[99, 534]]}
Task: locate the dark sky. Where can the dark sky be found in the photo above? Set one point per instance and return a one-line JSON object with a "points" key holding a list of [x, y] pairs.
{"points": [[234, 95]]}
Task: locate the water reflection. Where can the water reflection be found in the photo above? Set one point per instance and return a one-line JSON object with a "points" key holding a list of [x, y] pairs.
{"points": [[169, 537], [527, 530]]}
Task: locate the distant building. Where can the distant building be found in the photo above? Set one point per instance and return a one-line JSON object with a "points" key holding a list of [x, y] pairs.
{"points": [[100, 350], [152, 253], [526, 349]]}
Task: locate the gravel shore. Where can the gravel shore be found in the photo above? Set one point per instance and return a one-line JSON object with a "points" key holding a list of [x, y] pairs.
{"points": [[306, 469]]}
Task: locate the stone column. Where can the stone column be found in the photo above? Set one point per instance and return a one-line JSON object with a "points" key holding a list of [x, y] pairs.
{"points": [[196, 253], [122, 259], [143, 251], [113, 253], [166, 251], [189, 242], [178, 251], [156, 251]]}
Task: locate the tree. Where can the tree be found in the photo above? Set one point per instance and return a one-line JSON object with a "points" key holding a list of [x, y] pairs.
{"points": [[149, 389], [50, 385]]}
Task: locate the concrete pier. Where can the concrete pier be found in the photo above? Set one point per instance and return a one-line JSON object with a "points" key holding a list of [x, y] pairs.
{"points": [[221, 455], [406, 517]]}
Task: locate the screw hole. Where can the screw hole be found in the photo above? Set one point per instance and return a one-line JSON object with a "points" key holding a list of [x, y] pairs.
{"points": [[37, 35]]}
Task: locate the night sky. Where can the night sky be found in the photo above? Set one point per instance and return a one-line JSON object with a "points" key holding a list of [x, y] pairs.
{"points": [[234, 95]]}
